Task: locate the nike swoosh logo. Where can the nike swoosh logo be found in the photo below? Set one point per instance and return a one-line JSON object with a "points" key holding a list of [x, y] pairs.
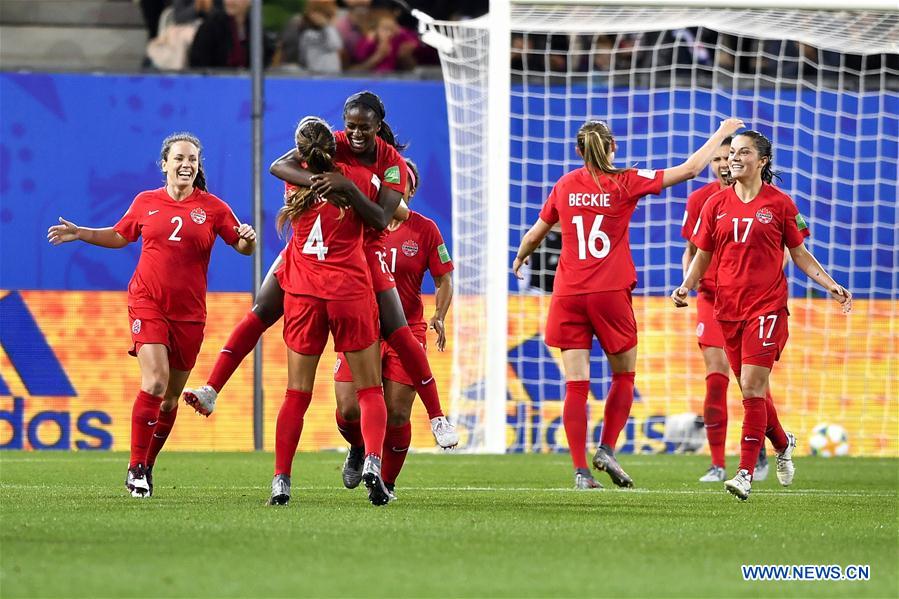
{"points": [[766, 344], [426, 381], [398, 450], [750, 439], [152, 422], [720, 216], [158, 436], [152, 212]]}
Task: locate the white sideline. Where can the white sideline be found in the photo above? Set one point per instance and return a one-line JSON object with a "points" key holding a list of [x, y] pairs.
{"points": [[773, 492]]}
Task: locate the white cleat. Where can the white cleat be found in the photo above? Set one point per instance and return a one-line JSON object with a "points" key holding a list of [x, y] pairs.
{"points": [[136, 482], [444, 432], [202, 400], [741, 485], [714, 475], [584, 481], [785, 469]]}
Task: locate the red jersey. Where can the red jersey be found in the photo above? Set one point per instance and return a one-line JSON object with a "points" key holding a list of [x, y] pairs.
{"points": [[748, 241], [324, 257], [389, 168], [414, 248], [695, 202], [177, 240], [596, 253]]}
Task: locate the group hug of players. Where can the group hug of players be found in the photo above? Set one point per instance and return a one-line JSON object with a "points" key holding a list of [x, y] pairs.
{"points": [[354, 265]]}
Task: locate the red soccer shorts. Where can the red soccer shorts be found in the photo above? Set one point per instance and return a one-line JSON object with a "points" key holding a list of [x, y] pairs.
{"points": [[758, 341], [307, 321], [574, 319], [182, 338], [708, 330], [381, 279], [391, 366]]}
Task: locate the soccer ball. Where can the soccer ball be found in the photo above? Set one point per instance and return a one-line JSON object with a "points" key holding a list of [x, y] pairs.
{"points": [[829, 440]]}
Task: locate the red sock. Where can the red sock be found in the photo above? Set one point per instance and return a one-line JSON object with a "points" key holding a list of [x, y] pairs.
{"points": [[774, 431], [415, 361], [164, 423], [374, 418], [289, 428], [618, 407], [396, 446], [351, 430], [754, 419], [143, 422], [715, 415], [243, 339], [574, 418]]}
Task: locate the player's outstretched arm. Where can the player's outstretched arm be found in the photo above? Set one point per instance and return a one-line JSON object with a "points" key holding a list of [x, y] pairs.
{"points": [[697, 268], [67, 231], [288, 169], [701, 158], [808, 264], [247, 242], [444, 285], [530, 242]]}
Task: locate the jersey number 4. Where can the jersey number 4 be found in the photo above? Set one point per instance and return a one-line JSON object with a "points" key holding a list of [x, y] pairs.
{"points": [[589, 243], [315, 243]]}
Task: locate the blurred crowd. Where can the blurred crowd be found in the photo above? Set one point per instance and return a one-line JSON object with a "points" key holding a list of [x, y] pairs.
{"points": [[311, 36], [678, 51]]}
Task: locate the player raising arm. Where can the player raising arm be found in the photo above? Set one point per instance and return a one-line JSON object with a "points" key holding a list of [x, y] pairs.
{"points": [[592, 289], [167, 294], [745, 228]]}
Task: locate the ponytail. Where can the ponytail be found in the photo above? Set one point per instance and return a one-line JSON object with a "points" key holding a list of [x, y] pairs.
{"points": [[316, 148], [763, 147], [594, 140]]}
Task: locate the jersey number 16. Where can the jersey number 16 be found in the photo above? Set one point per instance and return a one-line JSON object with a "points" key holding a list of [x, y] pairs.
{"points": [[589, 243]]}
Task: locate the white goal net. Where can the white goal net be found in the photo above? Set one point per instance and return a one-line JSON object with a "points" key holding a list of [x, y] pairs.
{"points": [[822, 84]]}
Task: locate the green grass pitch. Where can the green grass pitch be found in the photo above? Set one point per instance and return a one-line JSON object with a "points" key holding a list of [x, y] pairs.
{"points": [[464, 526]]}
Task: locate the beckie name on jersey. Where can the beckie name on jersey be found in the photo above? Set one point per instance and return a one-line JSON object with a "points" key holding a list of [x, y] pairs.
{"points": [[600, 200]]}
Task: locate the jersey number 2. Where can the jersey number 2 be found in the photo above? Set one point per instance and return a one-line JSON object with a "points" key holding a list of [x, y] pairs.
{"points": [[176, 220], [589, 243], [315, 243]]}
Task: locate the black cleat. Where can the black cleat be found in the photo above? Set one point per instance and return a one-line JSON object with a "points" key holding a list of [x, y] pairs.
{"points": [[604, 459], [371, 475], [148, 472], [352, 467]]}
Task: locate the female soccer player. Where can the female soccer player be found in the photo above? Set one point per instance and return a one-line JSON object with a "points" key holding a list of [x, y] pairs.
{"points": [[708, 331], [745, 228], [167, 294], [413, 246], [592, 289], [327, 287], [368, 142]]}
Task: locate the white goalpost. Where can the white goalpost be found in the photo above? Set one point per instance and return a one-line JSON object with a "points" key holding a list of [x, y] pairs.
{"points": [[821, 79]]}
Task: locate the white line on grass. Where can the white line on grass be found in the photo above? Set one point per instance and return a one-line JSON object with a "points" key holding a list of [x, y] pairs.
{"points": [[768, 492]]}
